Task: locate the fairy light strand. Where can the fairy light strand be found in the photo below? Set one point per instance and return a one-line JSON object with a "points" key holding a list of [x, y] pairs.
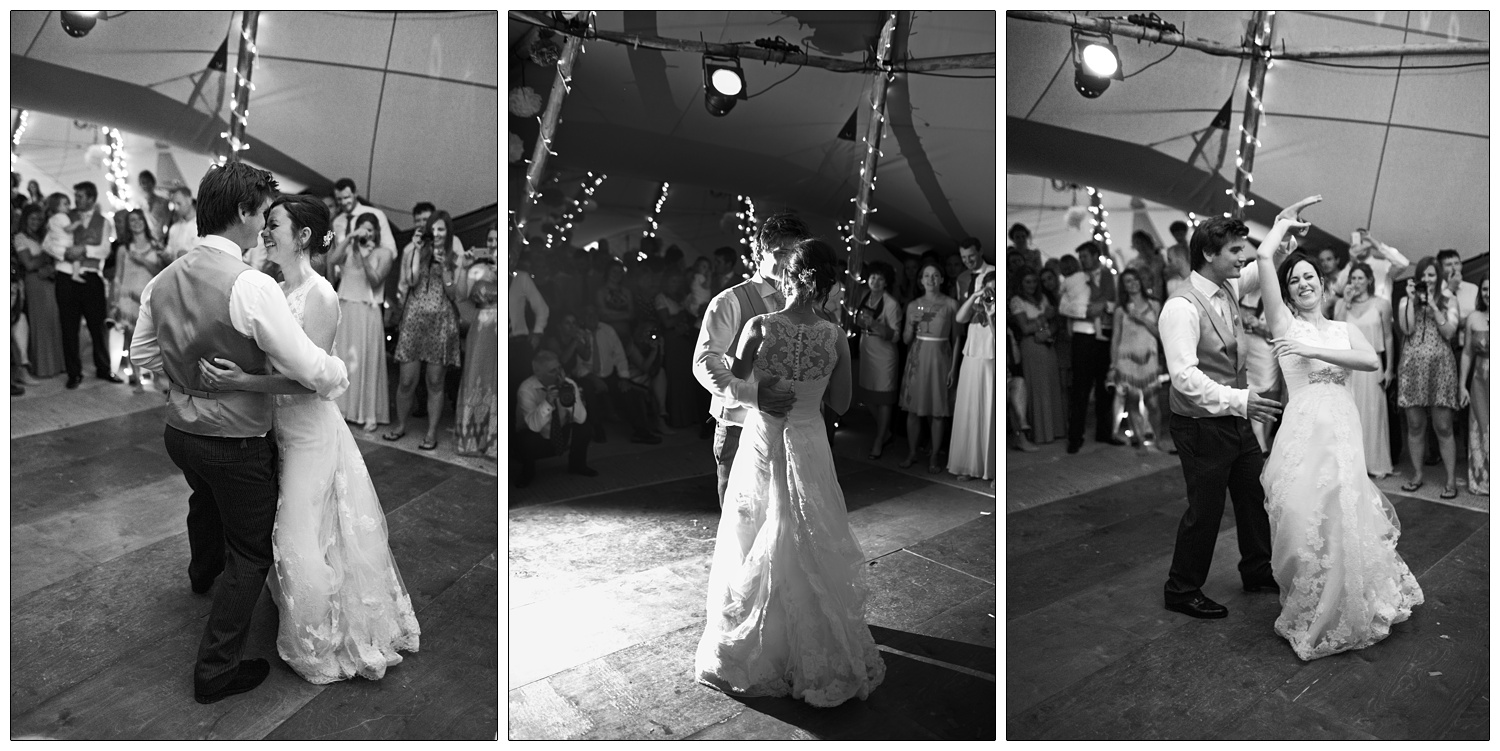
{"points": [[1254, 117], [661, 200]]}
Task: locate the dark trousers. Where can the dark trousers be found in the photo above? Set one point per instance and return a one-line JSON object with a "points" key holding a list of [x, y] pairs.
{"points": [[1218, 453], [1090, 366], [84, 300], [520, 369], [726, 443], [532, 446], [231, 513]]}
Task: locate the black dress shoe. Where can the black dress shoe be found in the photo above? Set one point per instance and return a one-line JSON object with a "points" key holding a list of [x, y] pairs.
{"points": [[1073, 447], [1268, 585], [250, 675], [111, 377], [1200, 607], [73, 381], [201, 588], [1111, 440]]}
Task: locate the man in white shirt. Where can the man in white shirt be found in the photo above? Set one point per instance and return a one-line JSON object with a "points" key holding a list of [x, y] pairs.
{"points": [[350, 207], [1088, 302], [550, 416], [182, 235], [1212, 406], [153, 205], [723, 321], [210, 304], [85, 299], [523, 339], [1451, 268], [1382, 259]]}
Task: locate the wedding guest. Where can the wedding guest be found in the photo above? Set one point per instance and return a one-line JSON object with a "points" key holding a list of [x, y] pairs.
{"points": [[910, 287], [1428, 376], [648, 379], [1149, 265], [879, 322], [1088, 302], [1020, 239], [1333, 285], [972, 452], [677, 324], [615, 301], [1134, 367], [1382, 260], [429, 327], [928, 336], [34, 192], [17, 317], [182, 235], [158, 213], [350, 207], [360, 341], [1372, 316], [1476, 365], [1451, 268], [142, 256], [603, 369], [1178, 265], [80, 285], [476, 418], [953, 268], [44, 348], [550, 419], [1033, 320]]}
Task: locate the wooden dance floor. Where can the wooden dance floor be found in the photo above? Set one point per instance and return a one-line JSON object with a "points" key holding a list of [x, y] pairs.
{"points": [[607, 594], [1092, 654], [104, 627]]}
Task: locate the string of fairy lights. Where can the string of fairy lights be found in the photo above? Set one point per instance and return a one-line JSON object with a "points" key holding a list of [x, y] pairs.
{"points": [[747, 221], [239, 101], [661, 199], [116, 172], [1097, 215], [561, 232], [1255, 119], [15, 138]]}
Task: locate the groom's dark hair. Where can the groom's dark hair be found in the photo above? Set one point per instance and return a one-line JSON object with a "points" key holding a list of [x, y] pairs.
{"points": [[226, 190], [1213, 235]]}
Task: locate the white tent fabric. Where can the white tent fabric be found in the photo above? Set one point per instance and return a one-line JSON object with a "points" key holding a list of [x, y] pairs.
{"points": [[406, 104], [1392, 147]]}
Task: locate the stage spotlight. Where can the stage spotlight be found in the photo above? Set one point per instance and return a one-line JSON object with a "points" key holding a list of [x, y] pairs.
{"points": [[1097, 61], [723, 84], [78, 23]]}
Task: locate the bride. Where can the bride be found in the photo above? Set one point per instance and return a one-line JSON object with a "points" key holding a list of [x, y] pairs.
{"points": [[1333, 533], [344, 609], [786, 594]]}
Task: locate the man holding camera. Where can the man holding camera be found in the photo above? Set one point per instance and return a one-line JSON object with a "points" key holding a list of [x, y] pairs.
{"points": [[550, 418]]}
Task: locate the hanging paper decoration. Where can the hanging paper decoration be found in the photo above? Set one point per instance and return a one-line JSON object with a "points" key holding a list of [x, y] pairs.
{"points": [[524, 101], [1075, 217], [517, 149], [544, 52]]}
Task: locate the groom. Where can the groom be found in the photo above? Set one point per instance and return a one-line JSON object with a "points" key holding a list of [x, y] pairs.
{"points": [[207, 304], [1211, 413]]}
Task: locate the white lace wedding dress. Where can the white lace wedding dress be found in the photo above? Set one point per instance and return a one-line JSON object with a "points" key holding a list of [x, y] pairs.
{"points": [[1333, 533], [787, 591], [344, 609]]}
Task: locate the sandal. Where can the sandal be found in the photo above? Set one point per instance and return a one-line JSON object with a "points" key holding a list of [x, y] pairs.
{"points": [[1412, 487], [907, 462], [427, 444], [1449, 492], [933, 469], [393, 435]]}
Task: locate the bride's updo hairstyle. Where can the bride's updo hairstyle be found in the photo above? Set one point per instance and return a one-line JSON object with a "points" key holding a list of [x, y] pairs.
{"points": [[1284, 275], [810, 269], [307, 212]]}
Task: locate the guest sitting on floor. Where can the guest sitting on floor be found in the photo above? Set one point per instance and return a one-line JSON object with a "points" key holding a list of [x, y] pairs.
{"points": [[550, 417]]}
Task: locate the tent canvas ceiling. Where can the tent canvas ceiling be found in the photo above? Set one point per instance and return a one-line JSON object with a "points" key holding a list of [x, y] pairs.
{"points": [[639, 114], [1403, 152], [406, 104]]}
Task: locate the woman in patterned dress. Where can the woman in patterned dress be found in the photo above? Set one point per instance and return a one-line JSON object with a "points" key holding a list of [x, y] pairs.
{"points": [[477, 419], [141, 257], [1428, 378], [1476, 364], [429, 327]]}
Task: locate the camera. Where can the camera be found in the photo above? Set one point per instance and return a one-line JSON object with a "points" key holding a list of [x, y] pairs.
{"points": [[565, 393], [1420, 294]]}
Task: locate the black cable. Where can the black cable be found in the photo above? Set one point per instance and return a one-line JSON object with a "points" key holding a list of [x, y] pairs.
{"points": [[1154, 62], [782, 81], [940, 75]]}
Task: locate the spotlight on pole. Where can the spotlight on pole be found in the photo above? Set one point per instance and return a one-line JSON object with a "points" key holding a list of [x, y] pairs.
{"points": [[78, 23], [1097, 61], [723, 84]]}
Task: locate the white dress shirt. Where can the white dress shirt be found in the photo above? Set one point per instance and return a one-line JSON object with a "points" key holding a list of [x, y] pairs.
{"points": [[609, 353], [534, 412], [1179, 326], [722, 322], [1382, 268], [257, 309], [1074, 302], [523, 292], [98, 252], [182, 237]]}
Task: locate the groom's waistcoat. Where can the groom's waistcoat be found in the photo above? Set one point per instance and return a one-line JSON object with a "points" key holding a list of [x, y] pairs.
{"points": [[1219, 352], [190, 308]]}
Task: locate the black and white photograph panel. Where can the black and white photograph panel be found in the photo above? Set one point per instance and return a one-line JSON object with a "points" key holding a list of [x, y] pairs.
{"points": [[254, 361], [1247, 376], [751, 361]]}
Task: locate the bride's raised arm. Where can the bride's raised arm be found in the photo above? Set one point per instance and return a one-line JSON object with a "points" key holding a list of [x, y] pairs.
{"points": [[1278, 316]]}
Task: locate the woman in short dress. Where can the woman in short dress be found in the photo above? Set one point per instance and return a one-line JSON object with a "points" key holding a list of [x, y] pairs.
{"points": [[1428, 376], [429, 327], [1476, 364], [142, 257], [1134, 367], [879, 321], [1359, 307], [924, 387], [360, 341]]}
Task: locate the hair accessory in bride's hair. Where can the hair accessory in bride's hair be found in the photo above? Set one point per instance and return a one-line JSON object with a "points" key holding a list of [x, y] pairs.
{"points": [[327, 238]]}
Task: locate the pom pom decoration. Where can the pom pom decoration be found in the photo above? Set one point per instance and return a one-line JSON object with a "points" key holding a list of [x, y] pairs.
{"points": [[1076, 215], [96, 155], [545, 53], [524, 102], [517, 149]]}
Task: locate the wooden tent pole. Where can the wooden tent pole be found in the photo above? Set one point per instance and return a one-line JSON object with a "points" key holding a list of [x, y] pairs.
{"points": [[879, 86], [1255, 94], [244, 66], [1132, 31], [550, 118]]}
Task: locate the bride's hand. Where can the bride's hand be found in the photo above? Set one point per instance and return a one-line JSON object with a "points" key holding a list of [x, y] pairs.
{"points": [[1284, 346], [1293, 213], [226, 377]]}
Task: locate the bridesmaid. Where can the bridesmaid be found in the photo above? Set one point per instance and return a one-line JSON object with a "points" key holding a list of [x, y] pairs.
{"points": [[973, 448], [360, 341], [1476, 361], [1360, 308], [478, 418], [1033, 319], [879, 321], [44, 344], [924, 387]]}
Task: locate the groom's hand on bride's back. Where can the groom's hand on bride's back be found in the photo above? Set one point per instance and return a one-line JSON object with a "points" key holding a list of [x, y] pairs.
{"points": [[1262, 409], [771, 400]]}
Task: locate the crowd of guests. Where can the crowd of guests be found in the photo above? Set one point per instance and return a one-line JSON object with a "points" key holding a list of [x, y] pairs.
{"points": [[593, 336], [1084, 326], [432, 303]]}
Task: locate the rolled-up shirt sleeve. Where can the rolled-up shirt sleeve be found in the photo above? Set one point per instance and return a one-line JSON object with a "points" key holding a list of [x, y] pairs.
{"points": [[258, 309], [710, 366], [1179, 337], [145, 352]]}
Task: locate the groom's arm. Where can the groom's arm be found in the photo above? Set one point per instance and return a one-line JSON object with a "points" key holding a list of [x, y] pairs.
{"points": [[258, 309], [710, 367], [1179, 337], [145, 352]]}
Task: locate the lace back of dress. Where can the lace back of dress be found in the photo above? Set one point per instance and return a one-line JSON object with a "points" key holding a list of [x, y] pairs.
{"points": [[796, 351]]}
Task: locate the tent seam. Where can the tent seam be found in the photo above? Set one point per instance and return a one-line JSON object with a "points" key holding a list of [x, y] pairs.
{"points": [[379, 102], [1390, 116]]}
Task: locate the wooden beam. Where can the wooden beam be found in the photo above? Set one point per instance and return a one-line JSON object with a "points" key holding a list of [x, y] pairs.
{"points": [[1385, 50], [550, 118], [747, 52], [1261, 32]]}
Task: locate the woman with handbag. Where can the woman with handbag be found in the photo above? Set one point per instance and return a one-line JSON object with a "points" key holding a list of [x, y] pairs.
{"points": [[429, 327]]}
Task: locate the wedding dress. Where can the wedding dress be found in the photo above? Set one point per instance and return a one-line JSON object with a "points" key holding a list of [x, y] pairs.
{"points": [[344, 609], [787, 591], [1333, 533]]}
